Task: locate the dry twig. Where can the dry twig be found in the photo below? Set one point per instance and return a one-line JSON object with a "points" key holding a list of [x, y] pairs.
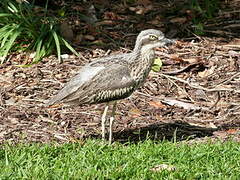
{"points": [[198, 86]]}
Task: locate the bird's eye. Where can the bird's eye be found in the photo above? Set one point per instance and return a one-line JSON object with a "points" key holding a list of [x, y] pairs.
{"points": [[153, 37]]}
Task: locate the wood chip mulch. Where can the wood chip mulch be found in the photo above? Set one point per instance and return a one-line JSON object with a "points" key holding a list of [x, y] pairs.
{"points": [[196, 95]]}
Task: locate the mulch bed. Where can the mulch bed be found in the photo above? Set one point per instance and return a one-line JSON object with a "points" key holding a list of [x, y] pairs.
{"points": [[195, 95]]}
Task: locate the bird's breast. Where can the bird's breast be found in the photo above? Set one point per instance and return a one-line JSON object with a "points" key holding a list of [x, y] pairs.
{"points": [[142, 68], [113, 94]]}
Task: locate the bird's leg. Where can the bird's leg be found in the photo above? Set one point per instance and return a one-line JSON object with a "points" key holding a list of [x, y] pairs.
{"points": [[104, 121], [111, 122]]}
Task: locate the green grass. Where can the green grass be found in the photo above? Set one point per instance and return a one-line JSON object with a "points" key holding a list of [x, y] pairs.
{"points": [[94, 160]]}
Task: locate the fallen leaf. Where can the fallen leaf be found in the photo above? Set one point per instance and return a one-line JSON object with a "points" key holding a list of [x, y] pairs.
{"points": [[162, 167], [191, 60], [32, 55], [220, 134], [207, 72], [184, 105], [231, 131], [144, 2], [89, 37], [55, 106], [157, 65], [14, 120], [179, 20], [157, 104], [176, 57], [45, 119], [135, 112], [140, 9], [132, 8], [234, 53], [65, 56], [105, 22], [10, 101], [112, 16], [78, 38], [212, 125]]}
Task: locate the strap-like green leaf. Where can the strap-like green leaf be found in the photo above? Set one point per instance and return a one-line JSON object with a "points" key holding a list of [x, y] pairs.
{"points": [[9, 44], [5, 14], [69, 47], [12, 7], [6, 37], [5, 29], [55, 36], [38, 49]]}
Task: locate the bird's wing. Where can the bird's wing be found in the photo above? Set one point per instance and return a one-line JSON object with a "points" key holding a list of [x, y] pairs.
{"points": [[112, 82], [85, 75]]}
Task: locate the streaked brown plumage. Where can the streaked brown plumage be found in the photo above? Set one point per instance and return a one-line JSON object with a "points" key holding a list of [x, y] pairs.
{"points": [[114, 77]]}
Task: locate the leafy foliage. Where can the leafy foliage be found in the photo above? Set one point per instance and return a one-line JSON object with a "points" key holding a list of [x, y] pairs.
{"points": [[204, 10], [157, 65], [22, 28]]}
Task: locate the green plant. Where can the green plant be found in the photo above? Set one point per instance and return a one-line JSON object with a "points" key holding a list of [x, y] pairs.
{"points": [[203, 10], [23, 28], [157, 65], [206, 8]]}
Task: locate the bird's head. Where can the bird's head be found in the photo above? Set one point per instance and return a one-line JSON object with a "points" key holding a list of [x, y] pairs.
{"points": [[150, 39]]}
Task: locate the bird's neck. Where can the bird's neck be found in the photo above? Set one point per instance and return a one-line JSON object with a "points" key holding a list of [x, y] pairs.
{"points": [[141, 64]]}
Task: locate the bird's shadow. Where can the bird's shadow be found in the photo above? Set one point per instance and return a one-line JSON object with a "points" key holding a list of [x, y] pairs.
{"points": [[177, 131]]}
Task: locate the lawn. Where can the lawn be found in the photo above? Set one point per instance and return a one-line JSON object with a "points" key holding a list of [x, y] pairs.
{"points": [[95, 160]]}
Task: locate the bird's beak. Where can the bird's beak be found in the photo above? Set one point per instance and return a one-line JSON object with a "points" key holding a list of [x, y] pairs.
{"points": [[168, 41]]}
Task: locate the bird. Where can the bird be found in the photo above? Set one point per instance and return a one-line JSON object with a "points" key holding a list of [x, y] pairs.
{"points": [[112, 78]]}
